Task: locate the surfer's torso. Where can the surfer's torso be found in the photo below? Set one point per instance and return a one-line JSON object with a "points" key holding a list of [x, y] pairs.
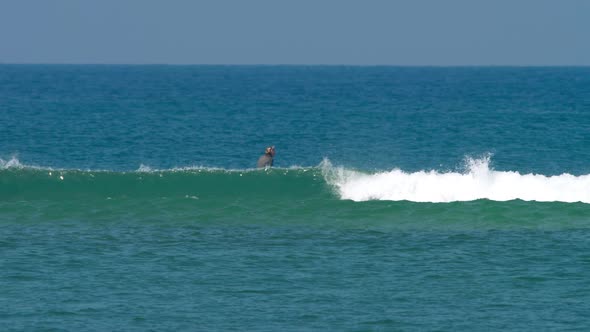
{"points": [[264, 161]]}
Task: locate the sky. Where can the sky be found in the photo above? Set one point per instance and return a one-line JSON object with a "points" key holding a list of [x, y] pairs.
{"points": [[307, 32]]}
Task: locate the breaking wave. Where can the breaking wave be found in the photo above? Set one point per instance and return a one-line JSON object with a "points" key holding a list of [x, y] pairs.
{"points": [[478, 181]]}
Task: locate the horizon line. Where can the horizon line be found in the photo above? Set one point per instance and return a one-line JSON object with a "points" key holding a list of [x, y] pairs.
{"points": [[287, 64]]}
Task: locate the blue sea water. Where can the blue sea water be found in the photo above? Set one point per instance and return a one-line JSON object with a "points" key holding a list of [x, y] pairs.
{"points": [[402, 198]]}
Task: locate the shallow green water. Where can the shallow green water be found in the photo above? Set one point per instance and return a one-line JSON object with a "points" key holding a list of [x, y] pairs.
{"points": [[150, 275]]}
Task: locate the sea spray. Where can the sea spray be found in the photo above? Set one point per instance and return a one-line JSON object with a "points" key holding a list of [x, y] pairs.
{"points": [[13, 162]]}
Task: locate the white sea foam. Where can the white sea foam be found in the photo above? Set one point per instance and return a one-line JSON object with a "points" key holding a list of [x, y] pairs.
{"points": [[11, 163], [477, 182], [148, 169], [144, 169], [14, 163]]}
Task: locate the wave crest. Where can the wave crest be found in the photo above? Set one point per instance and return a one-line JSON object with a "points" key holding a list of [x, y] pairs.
{"points": [[477, 181]]}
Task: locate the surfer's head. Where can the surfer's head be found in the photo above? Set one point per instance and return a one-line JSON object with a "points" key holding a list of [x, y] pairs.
{"points": [[270, 150]]}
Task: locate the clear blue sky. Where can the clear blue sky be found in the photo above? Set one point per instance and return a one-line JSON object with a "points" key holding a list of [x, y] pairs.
{"points": [[362, 32]]}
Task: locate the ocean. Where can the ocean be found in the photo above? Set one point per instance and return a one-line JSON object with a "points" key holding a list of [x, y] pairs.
{"points": [[401, 198]]}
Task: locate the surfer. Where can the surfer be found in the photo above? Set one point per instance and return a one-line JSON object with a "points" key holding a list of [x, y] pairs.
{"points": [[266, 159]]}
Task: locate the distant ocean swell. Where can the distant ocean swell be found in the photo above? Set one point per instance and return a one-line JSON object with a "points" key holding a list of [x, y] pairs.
{"points": [[324, 182]]}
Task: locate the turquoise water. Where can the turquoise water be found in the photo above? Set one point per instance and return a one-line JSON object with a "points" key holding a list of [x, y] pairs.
{"points": [[403, 198]]}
